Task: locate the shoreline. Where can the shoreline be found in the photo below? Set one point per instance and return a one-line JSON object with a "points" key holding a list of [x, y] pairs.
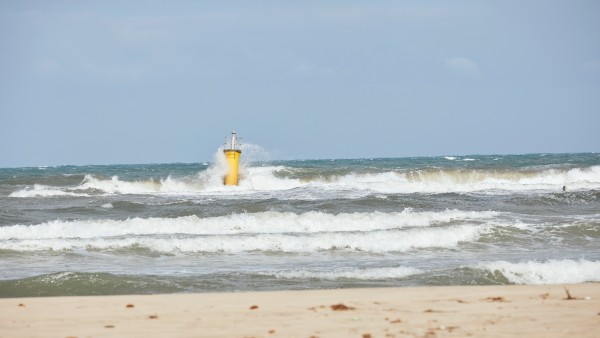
{"points": [[438, 311]]}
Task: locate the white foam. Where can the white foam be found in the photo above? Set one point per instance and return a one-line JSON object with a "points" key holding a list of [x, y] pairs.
{"points": [[269, 222], [265, 231], [362, 274], [263, 179], [375, 242], [548, 272]]}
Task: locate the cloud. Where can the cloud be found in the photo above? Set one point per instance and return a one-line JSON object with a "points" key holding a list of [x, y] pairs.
{"points": [[352, 14], [464, 67], [142, 28], [47, 66], [591, 66], [117, 73], [306, 68]]}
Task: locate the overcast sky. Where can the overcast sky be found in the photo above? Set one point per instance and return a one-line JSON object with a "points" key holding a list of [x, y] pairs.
{"points": [[107, 82]]}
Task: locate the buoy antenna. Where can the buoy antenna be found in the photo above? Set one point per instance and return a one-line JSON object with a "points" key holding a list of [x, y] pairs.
{"points": [[234, 142]]}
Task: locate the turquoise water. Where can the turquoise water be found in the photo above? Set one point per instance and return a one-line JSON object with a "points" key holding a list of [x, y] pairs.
{"points": [[161, 228]]}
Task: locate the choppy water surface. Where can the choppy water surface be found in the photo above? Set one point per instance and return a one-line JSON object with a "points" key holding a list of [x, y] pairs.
{"points": [[122, 229]]}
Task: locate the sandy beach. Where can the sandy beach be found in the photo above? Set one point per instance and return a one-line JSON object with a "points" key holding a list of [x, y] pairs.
{"points": [[457, 311]]}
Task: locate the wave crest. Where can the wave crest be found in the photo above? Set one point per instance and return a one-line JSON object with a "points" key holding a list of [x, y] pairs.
{"points": [[550, 272], [270, 179], [265, 231], [269, 222]]}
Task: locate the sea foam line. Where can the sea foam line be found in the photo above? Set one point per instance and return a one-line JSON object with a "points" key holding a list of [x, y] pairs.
{"points": [[344, 273]]}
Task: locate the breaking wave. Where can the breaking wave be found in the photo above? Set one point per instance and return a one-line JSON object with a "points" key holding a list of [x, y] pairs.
{"points": [[265, 231], [280, 178], [376, 242], [256, 223], [549, 272]]}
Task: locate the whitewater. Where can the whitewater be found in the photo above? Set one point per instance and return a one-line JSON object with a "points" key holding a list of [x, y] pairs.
{"points": [[301, 224]]}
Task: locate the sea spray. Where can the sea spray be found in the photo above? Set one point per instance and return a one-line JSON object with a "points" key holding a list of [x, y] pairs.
{"points": [[212, 177]]}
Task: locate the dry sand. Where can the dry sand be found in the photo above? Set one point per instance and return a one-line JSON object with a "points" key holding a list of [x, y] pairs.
{"points": [[477, 311]]}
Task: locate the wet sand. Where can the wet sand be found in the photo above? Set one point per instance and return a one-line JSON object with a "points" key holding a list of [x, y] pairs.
{"points": [[456, 311]]}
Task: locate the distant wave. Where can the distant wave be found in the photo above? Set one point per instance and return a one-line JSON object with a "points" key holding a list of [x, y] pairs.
{"points": [[471, 180], [43, 191], [279, 178]]}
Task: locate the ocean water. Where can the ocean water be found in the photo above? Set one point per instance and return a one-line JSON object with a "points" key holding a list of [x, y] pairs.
{"points": [[164, 228]]}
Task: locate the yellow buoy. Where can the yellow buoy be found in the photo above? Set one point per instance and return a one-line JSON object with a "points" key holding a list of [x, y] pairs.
{"points": [[232, 154]]}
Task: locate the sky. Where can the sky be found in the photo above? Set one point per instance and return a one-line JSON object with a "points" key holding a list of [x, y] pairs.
{"points": [[118, 82]]}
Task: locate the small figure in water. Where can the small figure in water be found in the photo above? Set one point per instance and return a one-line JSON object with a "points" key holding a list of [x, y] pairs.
{"points": [[564, 188]]}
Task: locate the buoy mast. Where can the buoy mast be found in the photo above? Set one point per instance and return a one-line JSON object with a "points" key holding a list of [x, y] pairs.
{"points": [[232, 153]]}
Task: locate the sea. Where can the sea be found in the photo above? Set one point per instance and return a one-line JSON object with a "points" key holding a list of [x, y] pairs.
{"points": [[300, 224]]}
